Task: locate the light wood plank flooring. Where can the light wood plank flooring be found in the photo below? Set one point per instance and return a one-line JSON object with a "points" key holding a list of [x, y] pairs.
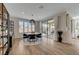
{"points": [[47, 47]]}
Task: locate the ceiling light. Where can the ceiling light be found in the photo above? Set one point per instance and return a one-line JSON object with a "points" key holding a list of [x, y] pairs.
{"points": [[41, 6], [22, 12], [32, 15]]}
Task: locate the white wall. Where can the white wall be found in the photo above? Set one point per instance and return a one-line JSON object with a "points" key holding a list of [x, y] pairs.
{"points": [[64, 24]]}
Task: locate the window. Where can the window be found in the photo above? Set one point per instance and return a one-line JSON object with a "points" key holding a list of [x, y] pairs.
{"points": [[77, 27], [20, 26], [26, 26], [48, 28], [29, 29]]}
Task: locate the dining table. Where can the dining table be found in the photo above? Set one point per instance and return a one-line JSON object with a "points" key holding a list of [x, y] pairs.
{"points": [[32, 36]]}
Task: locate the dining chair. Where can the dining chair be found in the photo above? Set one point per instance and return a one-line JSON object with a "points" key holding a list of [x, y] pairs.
{"points": [[32, 38], [39, 37], [25, 37]]}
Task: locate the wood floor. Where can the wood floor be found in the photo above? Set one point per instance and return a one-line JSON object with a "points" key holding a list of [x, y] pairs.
{"points": [[47, 47]]}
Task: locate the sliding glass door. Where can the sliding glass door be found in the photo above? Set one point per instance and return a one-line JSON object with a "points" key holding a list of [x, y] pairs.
{"points": [[44, 29], [25, 26], [51, 29], [20, 26], [76, 28], [48, 28]]}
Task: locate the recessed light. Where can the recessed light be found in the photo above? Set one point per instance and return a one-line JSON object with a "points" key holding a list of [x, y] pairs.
{"points": [[41, 6], [22, 12], [32, 15]]}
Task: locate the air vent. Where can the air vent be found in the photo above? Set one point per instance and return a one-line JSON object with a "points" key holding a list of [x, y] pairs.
{"points": [[41, 7]]}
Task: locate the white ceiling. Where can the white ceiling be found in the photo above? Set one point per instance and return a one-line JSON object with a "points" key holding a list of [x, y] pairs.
{"points": [[39, 11]]}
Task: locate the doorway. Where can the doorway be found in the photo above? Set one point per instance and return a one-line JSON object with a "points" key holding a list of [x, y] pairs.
{"points": [[48, 29]]}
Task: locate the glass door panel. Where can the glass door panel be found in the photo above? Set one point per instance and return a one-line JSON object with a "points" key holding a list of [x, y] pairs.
{"points": [[29, 27], [44, 29], [20, 26], [51, 29], [26, 28], [48, 29], [77, 27], [32, 26]]}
